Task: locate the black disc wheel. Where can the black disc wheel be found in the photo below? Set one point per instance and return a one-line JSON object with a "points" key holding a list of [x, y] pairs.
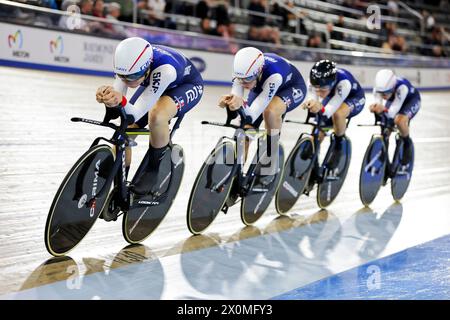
{"points": [[295, 175], [401, 173], [71, 214], [372, 170], [147, 212], [261, 190], [333, 179], [211, 188]]}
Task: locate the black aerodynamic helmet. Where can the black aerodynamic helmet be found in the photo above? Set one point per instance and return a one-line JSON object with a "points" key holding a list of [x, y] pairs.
{"points": [[323, 73]]}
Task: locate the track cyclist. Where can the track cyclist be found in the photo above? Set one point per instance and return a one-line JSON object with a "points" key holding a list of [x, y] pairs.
{"points": [[167, 85], [338, 96], [275, 88], [400, 101]]}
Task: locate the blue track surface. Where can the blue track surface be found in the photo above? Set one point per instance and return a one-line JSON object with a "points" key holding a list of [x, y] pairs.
{"points": [[421, 272]]}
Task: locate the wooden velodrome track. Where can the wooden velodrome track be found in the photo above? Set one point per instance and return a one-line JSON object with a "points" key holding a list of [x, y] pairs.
{"points": [[38, 144]]}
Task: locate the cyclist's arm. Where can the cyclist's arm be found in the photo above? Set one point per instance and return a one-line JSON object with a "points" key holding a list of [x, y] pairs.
{"points": [[261, 102], [312, 93], [237, 89], [160, 79], [342, 91], [400, 96], [119, 86], [377, 97]]}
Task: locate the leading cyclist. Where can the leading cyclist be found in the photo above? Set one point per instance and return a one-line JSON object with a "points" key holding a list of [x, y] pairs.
{"points": [[168, 85]]}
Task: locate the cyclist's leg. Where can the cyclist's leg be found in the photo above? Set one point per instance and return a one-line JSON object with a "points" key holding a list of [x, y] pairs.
{"points": [[402, 123], [158, 119], [273, 118], [284, 101], [340, 119], [273, 115], [404, 116], [402, 119], [350, 108], [174, 102], [339, 126]]}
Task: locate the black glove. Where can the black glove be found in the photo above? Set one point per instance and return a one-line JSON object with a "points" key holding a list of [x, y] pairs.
{"points": [[231, 115], [111, 114], [114, 113]]}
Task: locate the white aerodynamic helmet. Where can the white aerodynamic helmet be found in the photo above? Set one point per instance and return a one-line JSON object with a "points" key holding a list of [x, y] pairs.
{"points": [[132, 58], [248, 63], [385, 81]]}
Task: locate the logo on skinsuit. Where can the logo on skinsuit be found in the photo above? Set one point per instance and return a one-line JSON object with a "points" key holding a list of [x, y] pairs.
{"points": [[57, 48], [15, 41], [289, 77], [179, 102], [271, 90], [297, 94], [156, 81], [287, 101], [339, 90], [194, 93], [187, 70]]}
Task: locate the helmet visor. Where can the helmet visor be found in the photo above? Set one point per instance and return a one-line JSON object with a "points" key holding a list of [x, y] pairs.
{"points": [[134, 76], [247, 79], [323, 88], [384, 92]]}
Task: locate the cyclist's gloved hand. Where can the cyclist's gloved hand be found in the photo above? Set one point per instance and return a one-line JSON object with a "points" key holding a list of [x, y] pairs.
{"points": [[114, 113], [99, 94], [232, 114], [111, 113], [312, 105], [112, 98], [235, 102]]}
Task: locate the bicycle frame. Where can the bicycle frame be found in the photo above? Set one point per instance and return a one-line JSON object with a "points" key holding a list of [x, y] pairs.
{"points": [[386, 130], [244, 180], [317, 128], [315, 134], [121, 140]]}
